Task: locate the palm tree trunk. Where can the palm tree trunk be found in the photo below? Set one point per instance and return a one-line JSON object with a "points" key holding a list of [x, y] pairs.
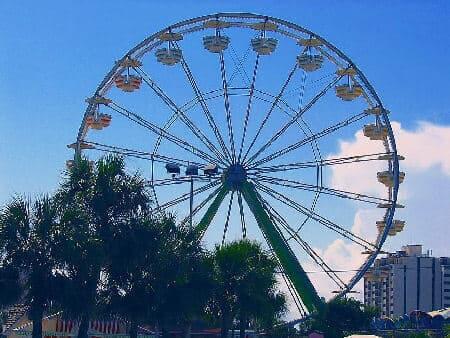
{"points": [[242, 325], [133, 332], [187, 329], [164, 329], [224, 327], [84, 326], [37, 322]]}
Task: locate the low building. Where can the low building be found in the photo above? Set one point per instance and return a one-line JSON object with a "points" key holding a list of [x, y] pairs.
{"points": [[408, 280]]}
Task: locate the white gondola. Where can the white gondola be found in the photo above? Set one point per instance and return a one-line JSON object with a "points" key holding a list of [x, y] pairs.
{"points": [[375, 132], [216, 24], [350, 71], [310, 63], [264, 46], [264, 26], [216, 44], [128, 83], [312, 42], [389, 205], [170, 36], [376, 111], [211, 170], [169, 56], [399, 225], [98, 122], [387, 178], [347, 92], [390, 157], [381, 225]]}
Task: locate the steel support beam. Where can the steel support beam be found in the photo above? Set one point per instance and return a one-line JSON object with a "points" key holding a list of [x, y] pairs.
{"points": [[287, 258]]}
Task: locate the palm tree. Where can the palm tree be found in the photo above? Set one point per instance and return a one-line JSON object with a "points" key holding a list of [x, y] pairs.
{"points": [[342, 316], [246, 285], [93, 202], [26, 253], [184, 281], [129, 275]]}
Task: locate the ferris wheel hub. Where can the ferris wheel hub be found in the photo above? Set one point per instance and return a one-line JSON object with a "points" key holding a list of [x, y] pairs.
{"points": [[234, 176]]}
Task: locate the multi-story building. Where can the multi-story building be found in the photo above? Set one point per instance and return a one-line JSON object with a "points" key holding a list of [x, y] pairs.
{"points": [[445, 264], [408, 280]]}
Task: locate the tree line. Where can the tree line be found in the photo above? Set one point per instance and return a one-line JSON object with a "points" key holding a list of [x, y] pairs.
{"points": [[95, 249]]}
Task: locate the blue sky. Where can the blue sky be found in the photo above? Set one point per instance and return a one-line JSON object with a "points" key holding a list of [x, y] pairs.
{"points": [[54, 54]]}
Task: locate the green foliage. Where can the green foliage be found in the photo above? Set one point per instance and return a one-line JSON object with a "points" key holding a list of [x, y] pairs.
{"points": [[27, 255], [96, 249], [245, 286], [446, 330], [155, 260], [343, 315], [95, 203]]}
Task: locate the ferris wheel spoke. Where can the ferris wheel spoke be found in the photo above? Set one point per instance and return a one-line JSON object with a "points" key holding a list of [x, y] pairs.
{"points": [[318, 218], [227, 221], [177, 180], [161, 132], [183, 117], [323, 190], [239, 68], [186, 196], [227, 107], [212, 123], [306, 247], [300, 113], [269, 112], [201, 205], [327, 162], [141, 154], [309, 139], [242, 215], [249, 105]]}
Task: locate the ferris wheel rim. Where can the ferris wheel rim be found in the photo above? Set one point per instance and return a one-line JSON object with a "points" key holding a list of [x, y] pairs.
{"points": [[102, 88]]}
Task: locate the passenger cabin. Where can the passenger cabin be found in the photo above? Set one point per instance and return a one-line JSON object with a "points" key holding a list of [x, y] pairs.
{"points": [[387, 178], [211, 170], [169, 56], [128, 83], [347, 92], [377, 110], [216, 44], [98, 122], [375, 132], [263, 45], [397, 226], [309, 62]]}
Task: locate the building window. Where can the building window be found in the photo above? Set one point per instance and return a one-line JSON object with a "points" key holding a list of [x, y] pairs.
{"points": [[446, 290]]}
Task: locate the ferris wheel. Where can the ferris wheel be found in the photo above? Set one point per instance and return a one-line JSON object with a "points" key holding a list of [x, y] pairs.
{"points": [[233, 118]]}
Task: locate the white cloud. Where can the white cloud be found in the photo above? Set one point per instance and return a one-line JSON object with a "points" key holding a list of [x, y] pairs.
{"points": [[425, 148]]}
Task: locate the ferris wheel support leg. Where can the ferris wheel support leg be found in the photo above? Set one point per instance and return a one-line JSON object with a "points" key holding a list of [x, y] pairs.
{"points": [[287, 258], [211, 212]]}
